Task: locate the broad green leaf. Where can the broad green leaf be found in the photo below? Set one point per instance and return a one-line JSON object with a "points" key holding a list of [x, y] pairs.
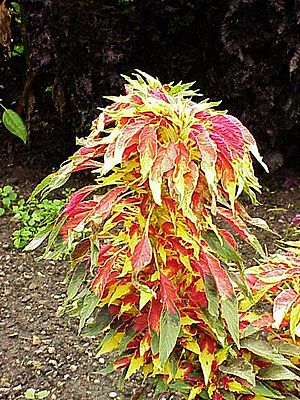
{"points": [[277, 373], [223, 250], [230, 311], [169, 331], [102, 321], [264, 349], [76, 281], [286, 348], [239, 367], [262, 390], [14, 123], [90, 302]]}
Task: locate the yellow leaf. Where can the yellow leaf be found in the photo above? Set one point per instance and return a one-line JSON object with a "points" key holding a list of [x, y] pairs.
{"points": [[135, 365], [144, 298], [237, 387], [222, 355], [147, 369], [194, 392], [144, 345], [206, 359], [186, 320], [294, 321], [193, 346], [119, 292], [111, 343], [127, 268], [163, 254], [125, 308]]}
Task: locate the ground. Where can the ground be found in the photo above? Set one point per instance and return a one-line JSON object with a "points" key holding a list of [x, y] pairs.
{"points": [[40, 350]]}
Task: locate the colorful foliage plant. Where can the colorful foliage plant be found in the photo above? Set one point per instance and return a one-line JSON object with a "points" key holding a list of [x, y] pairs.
{"points": [[159, 267]]}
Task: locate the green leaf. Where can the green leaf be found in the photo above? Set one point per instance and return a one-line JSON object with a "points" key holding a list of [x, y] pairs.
{"points": [[2, 211], [262, 390], [212, 296], [224, 250], [90, 302], [76, 281], [169, 331], [42, 394], [30, 393], [277, 373], [14, 123], [103, 320], [180, 386], [161, 387], [241, 368], [262, 348], [38, 239], [230, 311]]}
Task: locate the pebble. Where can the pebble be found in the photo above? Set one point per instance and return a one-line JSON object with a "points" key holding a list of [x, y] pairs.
{"points": [[102, 360], [36, 340], [113, 395], [73, 368], [51, 350]]}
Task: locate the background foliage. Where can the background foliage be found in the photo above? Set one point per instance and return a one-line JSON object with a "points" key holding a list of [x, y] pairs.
{"points": [[245, 52]]}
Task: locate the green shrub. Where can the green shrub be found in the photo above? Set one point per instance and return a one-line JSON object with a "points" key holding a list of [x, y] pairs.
{"points": [[167, 283]]}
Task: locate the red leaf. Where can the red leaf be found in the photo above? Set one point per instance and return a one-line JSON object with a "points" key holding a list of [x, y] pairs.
{"points": [[104, 206], [220, 276], [281, 305], [105, 275], [77, 197], [154, 314], [142, 254], [168, 293], [225, 127]]}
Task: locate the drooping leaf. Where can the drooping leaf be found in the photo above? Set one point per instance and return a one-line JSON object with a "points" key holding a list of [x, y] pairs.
{"points": [[90, 302], [277, 373], [239, 367], [76, 281], [264, 349], [102, 321], [14, 123], [169, 331]]}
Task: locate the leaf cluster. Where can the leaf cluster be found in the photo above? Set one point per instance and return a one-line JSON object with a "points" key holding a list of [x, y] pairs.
{"points": [[159, 267]]}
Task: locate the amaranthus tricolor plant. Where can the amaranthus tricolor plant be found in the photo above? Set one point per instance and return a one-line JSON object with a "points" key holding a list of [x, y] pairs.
{"points": [[159, 265]]}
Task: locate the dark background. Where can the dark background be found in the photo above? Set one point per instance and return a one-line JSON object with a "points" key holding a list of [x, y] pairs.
{"points": [[245, 52]]}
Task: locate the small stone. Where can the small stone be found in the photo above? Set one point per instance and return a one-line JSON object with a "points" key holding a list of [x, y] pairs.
{"points": [[13, 335], [36, 341], [73, 368], [102, 360], [51, 350], [32, 286], [113, 395]]}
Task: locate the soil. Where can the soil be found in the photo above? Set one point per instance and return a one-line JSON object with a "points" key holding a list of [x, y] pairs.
{"points": [[40, 350]]}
